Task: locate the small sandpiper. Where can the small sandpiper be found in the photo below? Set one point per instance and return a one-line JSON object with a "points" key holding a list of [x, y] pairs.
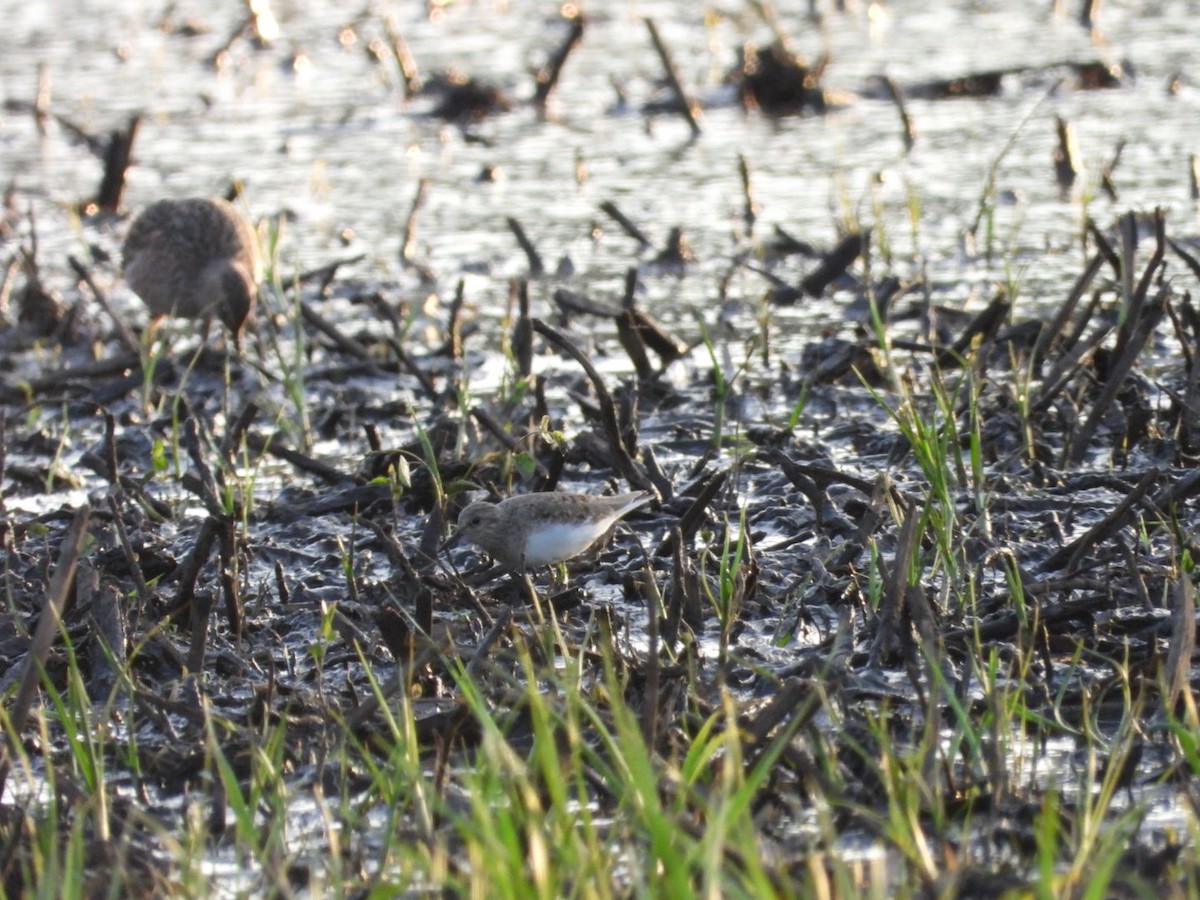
{"points": [[196, 259], [533, 530]]}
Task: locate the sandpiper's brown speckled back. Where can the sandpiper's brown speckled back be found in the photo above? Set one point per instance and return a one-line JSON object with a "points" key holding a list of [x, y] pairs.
{"points": [[194, 258]]}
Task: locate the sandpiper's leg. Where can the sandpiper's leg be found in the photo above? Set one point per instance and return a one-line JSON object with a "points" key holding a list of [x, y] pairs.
{"points": [[526, 579]]}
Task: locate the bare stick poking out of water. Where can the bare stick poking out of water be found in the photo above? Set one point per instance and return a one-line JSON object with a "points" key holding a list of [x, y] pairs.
{"points": [[687, 107]]}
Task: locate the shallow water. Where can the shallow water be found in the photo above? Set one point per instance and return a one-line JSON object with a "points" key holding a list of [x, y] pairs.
{"points": [[311, 126], [321, 137]]}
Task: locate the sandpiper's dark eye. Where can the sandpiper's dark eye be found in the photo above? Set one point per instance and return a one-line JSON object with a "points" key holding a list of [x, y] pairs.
{"points": [[475, 520]]}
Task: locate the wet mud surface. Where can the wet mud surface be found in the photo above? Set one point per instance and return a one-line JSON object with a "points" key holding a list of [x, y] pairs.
{"points": [[881, 490]]}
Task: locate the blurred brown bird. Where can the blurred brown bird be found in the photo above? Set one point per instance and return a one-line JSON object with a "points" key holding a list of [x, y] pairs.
{"points": [[195, 259]]}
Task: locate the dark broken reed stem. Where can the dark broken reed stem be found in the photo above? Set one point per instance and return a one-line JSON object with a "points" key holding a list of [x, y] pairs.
{"points": [[896, 586], [343, 342], [49, 623], [909, 133], [624, 461], [749, 206], [124, 335], [1143, 316], [522, 335], [531, 254], [627, 225], [408, 245], [687, 107], [410, 74], [547, 78], [117, 157]]}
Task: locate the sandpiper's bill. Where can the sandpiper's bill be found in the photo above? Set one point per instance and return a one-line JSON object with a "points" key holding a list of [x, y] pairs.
{"points": [[533, 530], [195, 259]]}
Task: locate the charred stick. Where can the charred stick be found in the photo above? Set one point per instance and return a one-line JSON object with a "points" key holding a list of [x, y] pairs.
{"points": [[200, 609], [410, 74], [431, 537], [547, 78], [217, 56], [655, 336], [685, 602], [1142, 319], [454, 338], [570, 302], [654, 472], [1067, 160], [610, 209], [131, 557], [1006, 625], [522, 336], [631, 339], [629, 292], [896, 586], [651, 669], [110, 449], [305, 463], [323, 275], [49, 623], [766, 12], [201, 480], [897, 98], [1183, 640], [1106, 173], [1190, 261], [413, 369], [1156, 260], [1186, 340], [1126, 357], [833, 265], [1078, 352], [87, 372], [240, 426], [984, 326], [535, 260], [409, 244], [343, 342], [677, 253], [128, 341], [1183, 489], [1070, 555], [1105, 248], [802, 482], [687, 107], [6, 532], [350, 498], [1059, 324], [690, 521], [749, 206], [228, 549], [1128, 229], [608, 413], [109, 626], [117, 158], [189, 569], [281, 587]]}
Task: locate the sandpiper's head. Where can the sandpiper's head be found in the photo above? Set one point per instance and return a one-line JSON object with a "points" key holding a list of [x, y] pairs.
{"points": [[233, 292], [476, 523]]}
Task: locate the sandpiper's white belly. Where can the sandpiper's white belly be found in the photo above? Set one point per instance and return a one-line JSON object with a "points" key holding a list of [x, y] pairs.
{"points": [[557, 541]]}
